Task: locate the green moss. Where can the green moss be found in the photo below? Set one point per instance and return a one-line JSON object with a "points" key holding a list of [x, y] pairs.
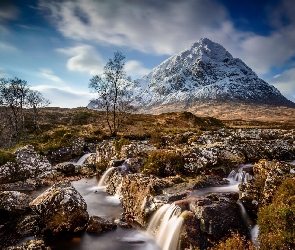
{"points": [[6, 156], [277, 220], [118, 144], [163, 164]]}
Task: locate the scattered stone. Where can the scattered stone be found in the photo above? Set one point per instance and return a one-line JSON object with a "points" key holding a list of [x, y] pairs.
{"points": [[97, 225]]}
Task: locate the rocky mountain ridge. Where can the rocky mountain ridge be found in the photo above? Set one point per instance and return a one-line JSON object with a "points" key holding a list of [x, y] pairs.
{"points": [[205, 71]]}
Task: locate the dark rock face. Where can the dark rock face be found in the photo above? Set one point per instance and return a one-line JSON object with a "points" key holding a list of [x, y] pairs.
{"points": [[97, 225], [61, 208], [268, 176], [210, 219]]}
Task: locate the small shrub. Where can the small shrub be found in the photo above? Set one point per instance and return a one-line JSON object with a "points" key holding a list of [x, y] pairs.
{"points": [[277, 220], [235, 242], [101, 166], [163, 164], [118, 144], [6, 156]]}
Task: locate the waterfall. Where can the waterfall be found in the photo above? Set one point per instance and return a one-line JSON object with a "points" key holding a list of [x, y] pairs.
{"points": [[83, 159], [240, 175], [166, 225], [253, 228], [106, 174]]}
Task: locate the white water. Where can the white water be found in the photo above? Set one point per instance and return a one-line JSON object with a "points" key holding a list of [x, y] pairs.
{"points": [[83, 159], [240, 176], [106, 174], [252, 227], [166, 225]]}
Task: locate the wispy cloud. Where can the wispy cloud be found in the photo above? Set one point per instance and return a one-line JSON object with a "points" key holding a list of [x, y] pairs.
{"points": [[65, 96], [285, 82], [135, 69], [83, 58], [166, 27], [49, 75]]}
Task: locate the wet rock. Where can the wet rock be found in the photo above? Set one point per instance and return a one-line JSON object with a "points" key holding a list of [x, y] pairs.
{"points": [[137, 195], [105, 151], [66, 168], [210, 219], [86, 169], [29, 225], [114, 182], [61, 208], [30, 245], [14, 202], [97, 225], [268, 177]]}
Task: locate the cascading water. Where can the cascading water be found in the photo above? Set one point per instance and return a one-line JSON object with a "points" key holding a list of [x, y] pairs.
{"points": [[240, 175], [106, 174], [166, 225], [252, 227], [83, 159]]}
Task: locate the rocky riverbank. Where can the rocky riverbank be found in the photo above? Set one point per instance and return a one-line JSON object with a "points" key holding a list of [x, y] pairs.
{"points": [[187, 161]]}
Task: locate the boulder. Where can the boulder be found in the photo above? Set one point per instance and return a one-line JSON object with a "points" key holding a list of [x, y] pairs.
{"points": [[210, 219], [14, 202], [61, 208], [28, 165], [97, 224]]}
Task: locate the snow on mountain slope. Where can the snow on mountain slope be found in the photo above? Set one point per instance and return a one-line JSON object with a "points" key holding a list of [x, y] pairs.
{"points": [[204, 71]]}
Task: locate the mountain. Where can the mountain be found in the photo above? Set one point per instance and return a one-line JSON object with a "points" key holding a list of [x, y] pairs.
{"points": [[204, 72]]}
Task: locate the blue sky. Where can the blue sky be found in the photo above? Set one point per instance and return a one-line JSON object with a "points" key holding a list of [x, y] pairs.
{"points": [[57, 45]]}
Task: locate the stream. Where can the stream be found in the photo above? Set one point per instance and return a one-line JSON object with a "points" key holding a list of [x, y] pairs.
{"points": [[101, 204]]}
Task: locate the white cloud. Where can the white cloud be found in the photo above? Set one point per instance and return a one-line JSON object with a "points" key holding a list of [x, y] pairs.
{"points": [[167, 27], [65, 97], [285, 82], [84, 58], [135, 69], [48, 74]]}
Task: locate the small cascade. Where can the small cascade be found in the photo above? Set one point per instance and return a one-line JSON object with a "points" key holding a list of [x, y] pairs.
{"points": [[83, 159], [106, 174], [240, 175], [253, 228], [166, 225]]}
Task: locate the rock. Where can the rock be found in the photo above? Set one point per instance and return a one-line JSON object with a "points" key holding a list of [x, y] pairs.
{"points": [[136, 149], [137, 195], [29, 225], [64, 154], [86, 169], [61, 208], [28, 165], [14, 202], [97, 225], [30, 245], [66, 168], [268, 177], [210, 219]]}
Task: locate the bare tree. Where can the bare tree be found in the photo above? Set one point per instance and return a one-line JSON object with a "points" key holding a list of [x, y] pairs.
{"points": [[35, 101], [114, 97], [15, 97]]}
